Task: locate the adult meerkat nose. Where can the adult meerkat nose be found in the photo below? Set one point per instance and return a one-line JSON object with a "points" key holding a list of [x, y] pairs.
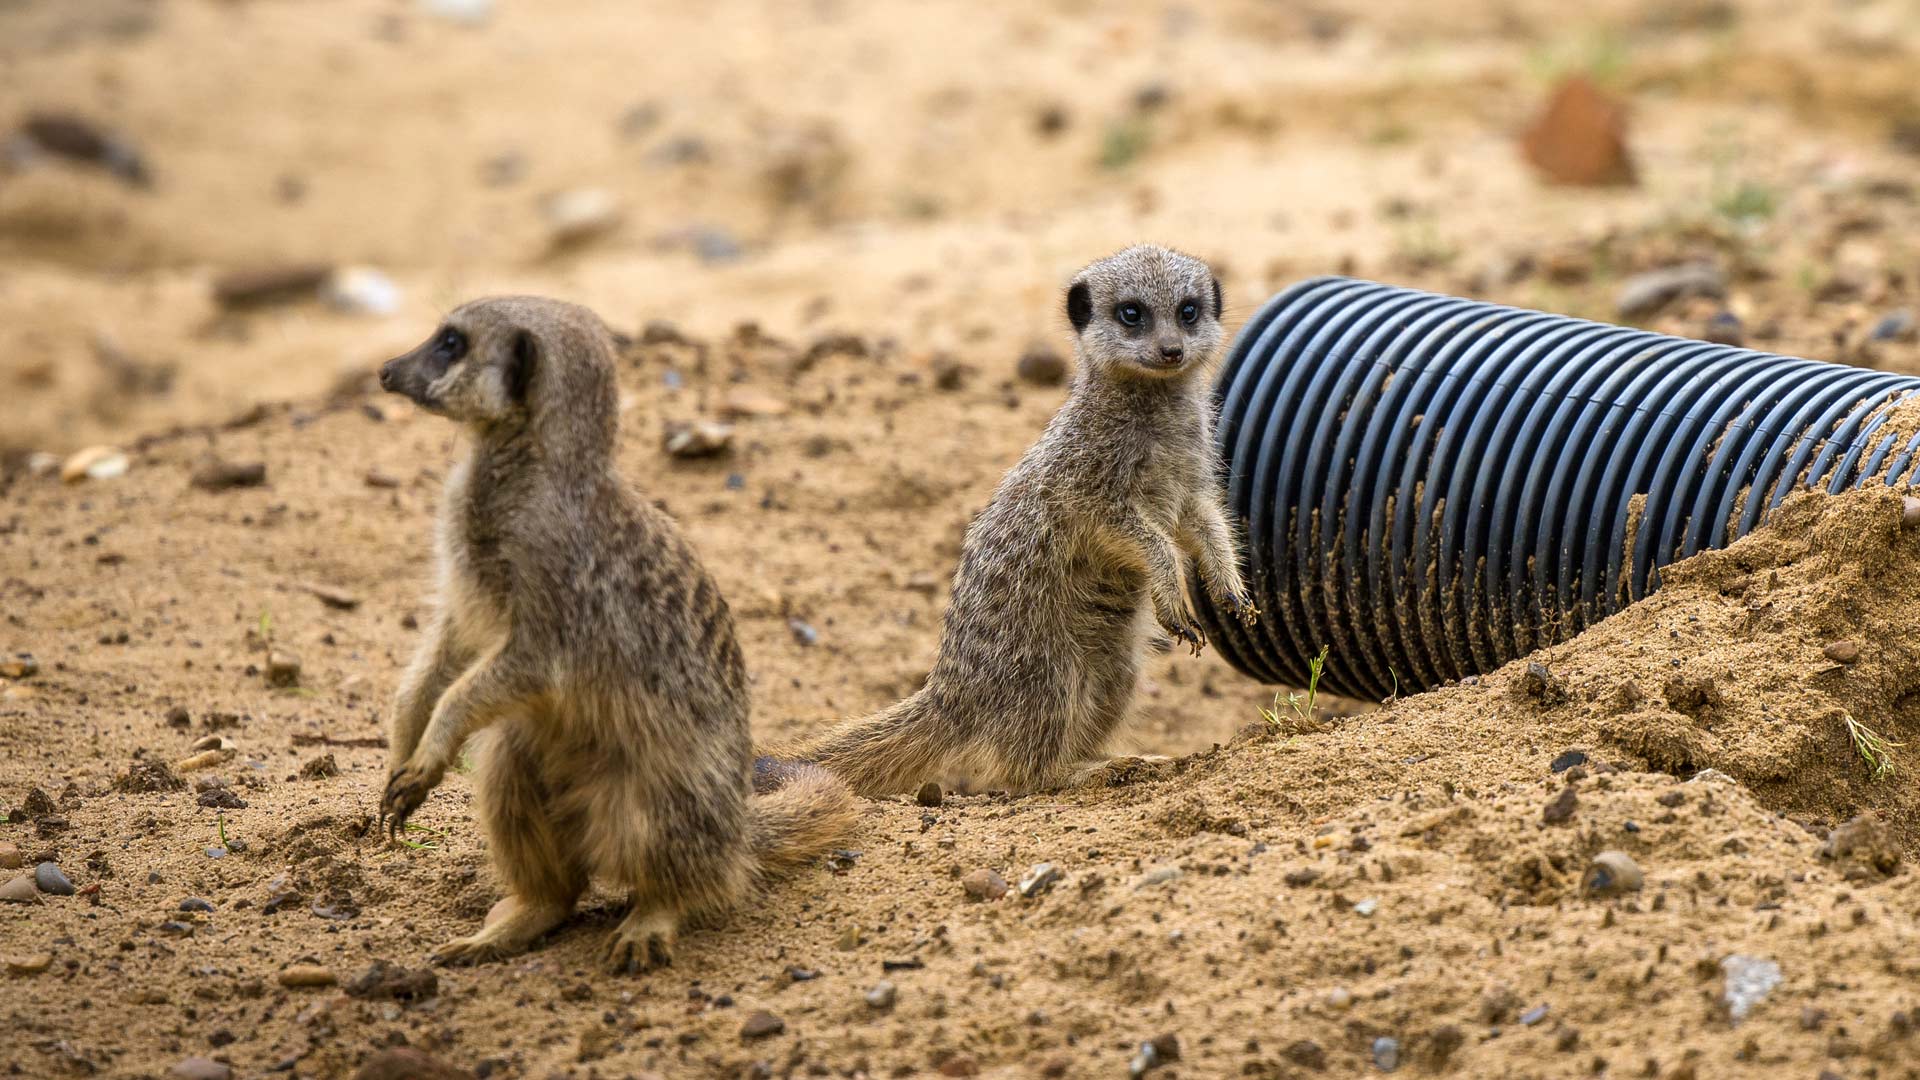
{"points": [[386, 375]]}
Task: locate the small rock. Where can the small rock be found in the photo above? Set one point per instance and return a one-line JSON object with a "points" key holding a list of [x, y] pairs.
{"points": [[1842, 652], [1038, 880], [51, 881], [199, 1068], [1646, 294], [577, 216], [179, 717], [1896, 325], [1366, 908], [882, 996], [406, 1063], [1749, 980], [929, 794], [1560, 809], [306, 975], [1042, 365], [262, 286], [1540, 684], [1340, 999], [32, 964], [10, 857], [1725, 329], [697, 439], [320, 768], [1580, 137], [1154, 1053], [388, 982], [1863, 847], [205, 759], [850, 939], [1909, 512], [94, 463], [195, 903], [377, 479], [1533, 1016], [1567, 761], [762, 1024], [68, 136], [803, 632], [1612, 873], [24, 666], [1159, 875], [1386, 1053], [20, 890], [984, 884], [338, 599], [361, 290], [283, 668], [222, 798], [227, 475], [742, 402]]}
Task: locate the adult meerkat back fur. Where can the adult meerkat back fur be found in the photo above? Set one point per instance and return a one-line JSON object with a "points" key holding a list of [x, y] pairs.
{"points": [[586, 652], [1080, 553]]}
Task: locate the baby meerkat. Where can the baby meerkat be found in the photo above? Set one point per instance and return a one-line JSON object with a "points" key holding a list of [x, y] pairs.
{"points": [[584, 649], [1080, 552]]}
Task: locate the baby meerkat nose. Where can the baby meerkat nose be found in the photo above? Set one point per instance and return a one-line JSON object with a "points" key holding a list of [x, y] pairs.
{"points": [[1172, 352], [386, 375]]}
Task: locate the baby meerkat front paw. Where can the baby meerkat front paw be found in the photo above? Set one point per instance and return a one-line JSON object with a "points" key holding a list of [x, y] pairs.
{"points": [[1243, 607], [407, 788], [1189, 633]]}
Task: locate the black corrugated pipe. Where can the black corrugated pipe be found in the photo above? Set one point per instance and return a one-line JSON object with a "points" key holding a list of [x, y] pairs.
{"points": [[1433, 486]]}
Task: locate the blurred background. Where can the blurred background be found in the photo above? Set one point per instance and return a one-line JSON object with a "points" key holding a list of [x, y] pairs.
{"points": [[205, 204]]}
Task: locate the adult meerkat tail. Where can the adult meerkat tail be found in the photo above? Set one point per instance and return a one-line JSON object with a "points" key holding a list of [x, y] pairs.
{"points": [[793, 824], [888, 752]]}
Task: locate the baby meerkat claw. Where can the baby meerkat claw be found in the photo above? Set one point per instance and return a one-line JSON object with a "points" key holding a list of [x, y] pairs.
{"points": [[1244, 607]]}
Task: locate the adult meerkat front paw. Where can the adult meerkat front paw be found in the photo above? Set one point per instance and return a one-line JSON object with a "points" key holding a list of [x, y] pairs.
{"points": [[1185, 631], [407, 788], [1241, 603]]}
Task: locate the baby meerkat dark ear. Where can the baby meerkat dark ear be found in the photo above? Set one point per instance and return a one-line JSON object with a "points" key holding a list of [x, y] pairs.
{"points": [[526, 355], [1217, 300], [1079, 306]]}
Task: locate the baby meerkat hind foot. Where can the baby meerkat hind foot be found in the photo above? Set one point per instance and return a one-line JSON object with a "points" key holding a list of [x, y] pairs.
{"points": [[520, 925], [642, 942], [1121, 771]]}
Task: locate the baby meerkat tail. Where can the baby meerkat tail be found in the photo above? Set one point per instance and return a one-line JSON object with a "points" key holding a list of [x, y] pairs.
{"points": [[796, 821], [894, 750]]}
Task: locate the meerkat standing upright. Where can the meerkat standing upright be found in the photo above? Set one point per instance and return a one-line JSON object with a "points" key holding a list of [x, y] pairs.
{"points": [[584, 648], [1079, 553]]}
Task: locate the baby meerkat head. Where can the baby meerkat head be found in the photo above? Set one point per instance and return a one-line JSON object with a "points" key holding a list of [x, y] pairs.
{"points": [[510, 362], [1146, 312]]}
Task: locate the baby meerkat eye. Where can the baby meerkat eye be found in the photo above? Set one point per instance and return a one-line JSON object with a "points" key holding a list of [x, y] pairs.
{"points": [[1129, 314], [451, 345], [1189, 312]]}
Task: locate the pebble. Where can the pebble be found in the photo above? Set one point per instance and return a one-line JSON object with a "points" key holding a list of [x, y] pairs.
{"points": [[195, 903], [1560, 809], [1749, 980], [406, 1063], [335, 598], [762, 1024], [1366, 908], [574, 217], [10, 857], [94, 463], [1646, 294], [221, 798], [28, 965], [228, 475], [199, 1068], [361, 290], [283, 668], [697, 439], [384, 981], [24, 666], [1611, 873], [1909, 511], [930, 794], [1896, 325], [68, 136], [51, 881], [1340, 999], [263, 285], [984, 884], [1154, 1053], [1386, 1053], [804, 633], [305, 975], [1725, 329], [1568, 760], [202, 760], [1039, 879], [1533, 1016], [20, 890], [1159, 875], [1842, 652], [882, 996], [850, 939], [1042, 365]]}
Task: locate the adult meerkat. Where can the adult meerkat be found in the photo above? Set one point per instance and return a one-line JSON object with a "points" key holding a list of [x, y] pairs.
{"points": [[1079, 554], [582, 646]]}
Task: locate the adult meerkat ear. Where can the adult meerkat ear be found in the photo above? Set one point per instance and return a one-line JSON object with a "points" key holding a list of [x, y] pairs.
{"points": [[1079, 306], [526, 357], [1217, 302]]}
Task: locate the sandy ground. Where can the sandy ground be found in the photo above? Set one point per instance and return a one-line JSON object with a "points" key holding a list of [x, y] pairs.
{"points": [[839, 206]]}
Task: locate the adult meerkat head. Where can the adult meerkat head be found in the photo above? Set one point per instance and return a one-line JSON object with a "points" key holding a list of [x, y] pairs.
{"points": [[1146, 312], [511, 361]]}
